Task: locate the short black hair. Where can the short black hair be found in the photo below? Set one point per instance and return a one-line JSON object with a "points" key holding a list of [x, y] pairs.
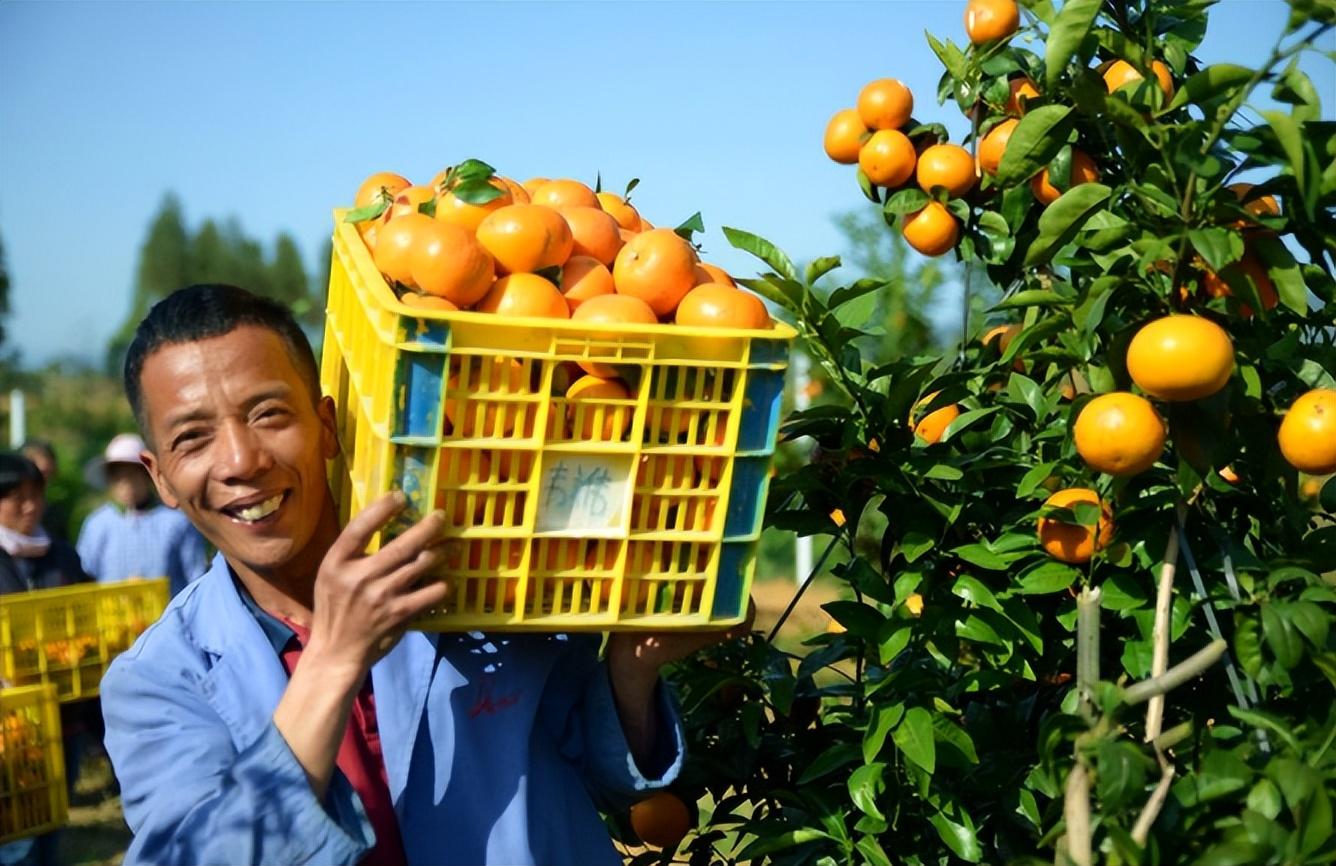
{"points": [[15, 471], [207, 310]]}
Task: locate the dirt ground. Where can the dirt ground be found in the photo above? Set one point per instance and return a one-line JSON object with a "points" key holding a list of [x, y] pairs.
{"points": [[97, 836]]}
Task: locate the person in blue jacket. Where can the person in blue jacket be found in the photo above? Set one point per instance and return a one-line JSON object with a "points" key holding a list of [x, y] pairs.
{"points": [[131, 535], [279, 712]]}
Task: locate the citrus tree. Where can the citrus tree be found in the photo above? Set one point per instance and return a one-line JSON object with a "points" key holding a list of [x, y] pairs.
{"points": [[1097, 627]]}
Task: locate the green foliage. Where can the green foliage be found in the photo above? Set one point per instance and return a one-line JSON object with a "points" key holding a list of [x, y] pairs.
{"points": [[172, 256], [960, 718], [78, 411]]}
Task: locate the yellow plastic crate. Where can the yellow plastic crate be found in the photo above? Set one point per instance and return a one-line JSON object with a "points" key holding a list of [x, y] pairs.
{"points": [[32, 763], [609, 513], [68, 636]]}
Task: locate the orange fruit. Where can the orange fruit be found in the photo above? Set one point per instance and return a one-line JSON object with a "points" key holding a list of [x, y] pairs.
{"points": [[885, 104], [447, 261], [715, 305], [1121, 73], [452, 209], [563, 193], [1179, 358], [1308, 432], [518, 194], [708, 273], [582, 278], [1229, 475], [1119, 433], [656, 266], [1264, 205], [645, 225], [932, 231], [1083, 170], [620, 209], [1216, 286], [525, 295], [914, 604], [409, 200], [1310, 489], [595, 233], [887, 158], [1022, 90], [1073, 542], [930, 427], [526, 237], [662, 820], [994, 144], [844, 136], [946, 165], [532, 184], [427, 302], [1002, 335], [612, 309], [990, 20], [616, 419], [381, 185], [395, 243]]}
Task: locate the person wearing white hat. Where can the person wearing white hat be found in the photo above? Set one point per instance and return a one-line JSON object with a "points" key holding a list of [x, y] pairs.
{"points": [[132, 534]]}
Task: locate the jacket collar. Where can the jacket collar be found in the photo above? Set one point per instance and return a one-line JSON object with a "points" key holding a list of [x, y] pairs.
{"points": [[247, 680]]}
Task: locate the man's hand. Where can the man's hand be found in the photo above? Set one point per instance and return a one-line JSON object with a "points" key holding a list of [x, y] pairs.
{"points": [[634, 661], [364, 601], [362, 604]]}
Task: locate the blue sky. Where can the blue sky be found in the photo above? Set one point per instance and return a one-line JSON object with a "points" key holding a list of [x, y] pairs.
{"points": [[274, 112]]}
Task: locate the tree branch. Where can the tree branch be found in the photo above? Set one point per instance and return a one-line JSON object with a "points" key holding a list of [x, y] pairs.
{"points": [[1160, 660], [1176, 676]]}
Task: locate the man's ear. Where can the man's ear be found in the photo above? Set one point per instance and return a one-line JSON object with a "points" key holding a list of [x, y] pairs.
{"points": [[150, 461], [329, 431]]}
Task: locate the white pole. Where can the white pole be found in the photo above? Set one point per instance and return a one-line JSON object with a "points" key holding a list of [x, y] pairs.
{"points": [[17, 423], [801, 400]]}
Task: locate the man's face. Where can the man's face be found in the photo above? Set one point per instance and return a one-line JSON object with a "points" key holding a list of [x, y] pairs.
{"points": [[21, 511], [128, 484], [240, 447]]}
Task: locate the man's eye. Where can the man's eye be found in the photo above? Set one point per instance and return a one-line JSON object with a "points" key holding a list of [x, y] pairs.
{"points": [[270, 413], [188, 439]]}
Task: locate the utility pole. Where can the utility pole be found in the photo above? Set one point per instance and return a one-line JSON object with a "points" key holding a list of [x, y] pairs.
{"points": [[17, 423]]}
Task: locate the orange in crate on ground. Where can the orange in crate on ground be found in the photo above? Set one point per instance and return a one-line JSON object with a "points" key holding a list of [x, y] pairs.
{"points": [[527, 414], [32, 763]]}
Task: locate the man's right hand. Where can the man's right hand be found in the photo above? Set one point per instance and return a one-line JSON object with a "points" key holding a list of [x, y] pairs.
{"points": [[362, 604]]}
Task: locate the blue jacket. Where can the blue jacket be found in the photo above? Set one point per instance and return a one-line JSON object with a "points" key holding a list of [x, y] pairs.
{"points": [[160, 542], [497, 747]]}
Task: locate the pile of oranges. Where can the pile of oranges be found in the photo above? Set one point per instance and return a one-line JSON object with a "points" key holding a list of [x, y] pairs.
{"points": [[875, 135], [23, 761], [474, 240]]}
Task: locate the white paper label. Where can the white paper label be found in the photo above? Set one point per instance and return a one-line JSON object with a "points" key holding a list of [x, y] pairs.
{"points": [[584, 492]]}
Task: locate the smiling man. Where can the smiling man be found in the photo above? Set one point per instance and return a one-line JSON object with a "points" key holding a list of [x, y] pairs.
{"points": [[279, 713]]}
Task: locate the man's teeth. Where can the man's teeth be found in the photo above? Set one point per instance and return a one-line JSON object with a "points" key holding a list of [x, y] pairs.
{"points": [[262, 510]]}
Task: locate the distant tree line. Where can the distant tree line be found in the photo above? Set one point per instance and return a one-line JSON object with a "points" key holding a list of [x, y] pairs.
{"points": [[216, 252]]}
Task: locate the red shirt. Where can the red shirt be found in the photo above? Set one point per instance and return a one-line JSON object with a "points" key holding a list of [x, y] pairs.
{"points": [[361, 761]]}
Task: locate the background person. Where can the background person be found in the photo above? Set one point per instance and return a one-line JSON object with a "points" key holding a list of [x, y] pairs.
{"points": [[279, 713], [56, 520], [132, 534], [32, 560]]}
